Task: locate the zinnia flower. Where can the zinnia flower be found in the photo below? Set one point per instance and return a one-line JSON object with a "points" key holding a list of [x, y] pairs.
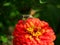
{"points": [[33, 31]]}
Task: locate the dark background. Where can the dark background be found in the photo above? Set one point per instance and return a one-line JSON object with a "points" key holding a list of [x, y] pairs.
{"points": [[12, 10]]}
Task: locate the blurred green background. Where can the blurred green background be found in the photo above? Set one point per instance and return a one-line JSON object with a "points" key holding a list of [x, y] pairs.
{"points": [[12, 10]]}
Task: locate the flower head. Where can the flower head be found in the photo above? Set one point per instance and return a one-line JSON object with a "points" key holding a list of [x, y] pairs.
{"points": [[33, 31]]}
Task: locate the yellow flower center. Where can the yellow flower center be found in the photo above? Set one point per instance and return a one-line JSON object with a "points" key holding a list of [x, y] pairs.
{"points": [[34, 31]]}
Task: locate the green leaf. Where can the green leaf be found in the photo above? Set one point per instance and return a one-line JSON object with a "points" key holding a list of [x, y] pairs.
{"points": [[58, 6], [14, 13], [42, 1], [4, 39], [1, 24], [7, 4]]}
